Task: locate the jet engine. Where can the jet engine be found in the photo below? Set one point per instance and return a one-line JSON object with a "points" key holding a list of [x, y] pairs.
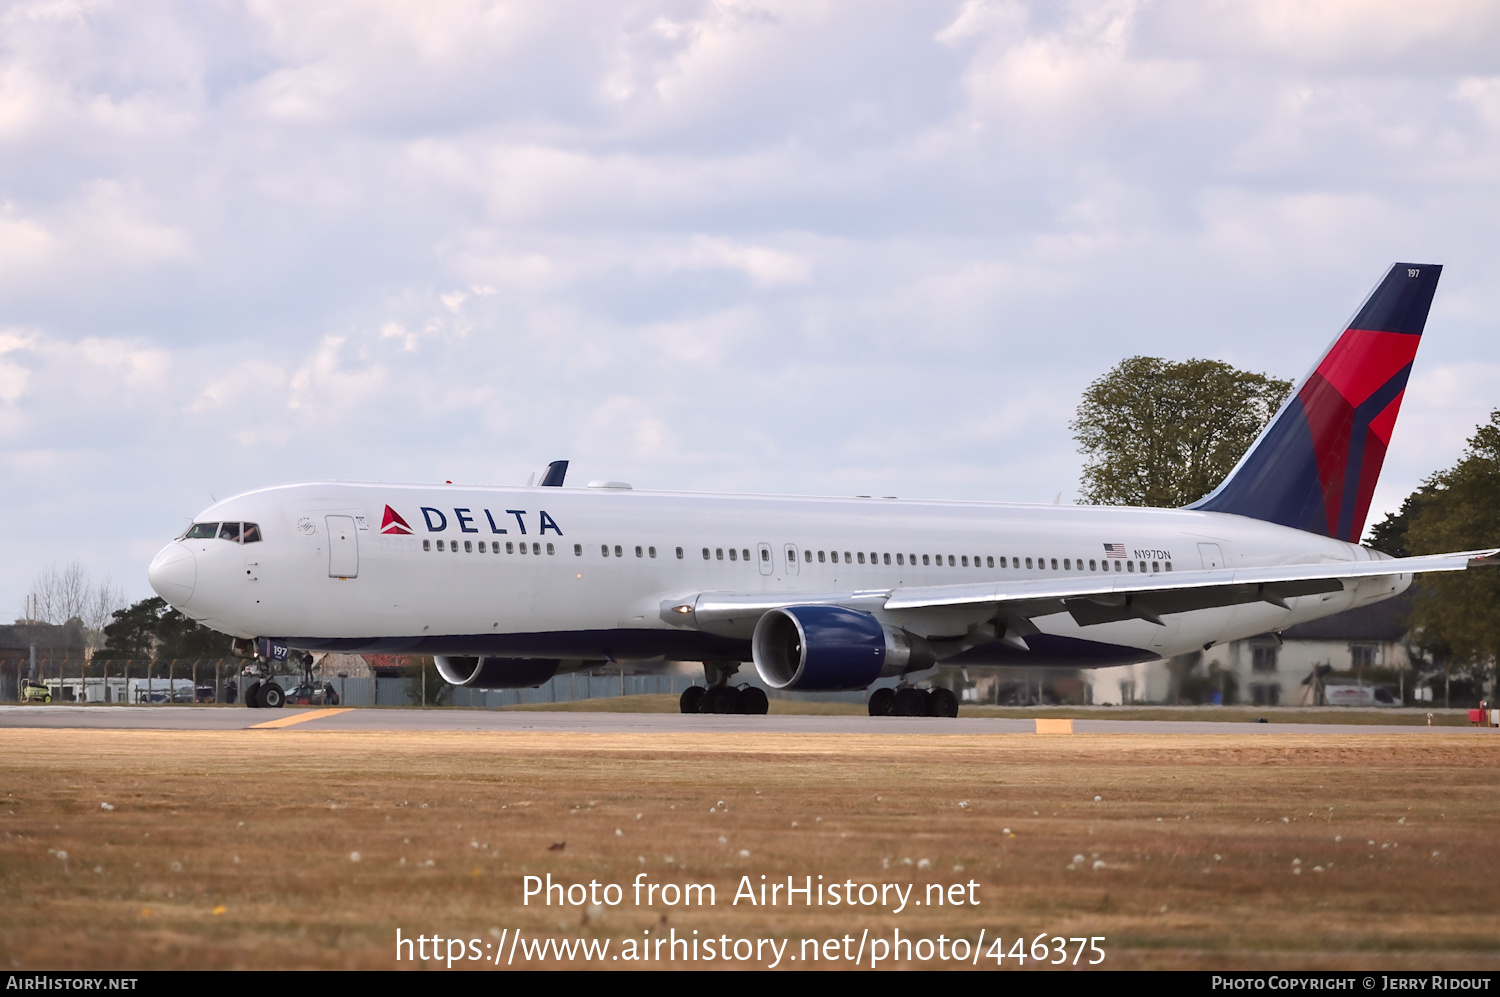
{"points": [[825, 648], [496, 673]]}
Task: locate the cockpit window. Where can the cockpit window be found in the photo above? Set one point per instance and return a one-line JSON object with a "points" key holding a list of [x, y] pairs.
{"points": [[201, 531], [251, 533], [244, 533], [230, 531]]}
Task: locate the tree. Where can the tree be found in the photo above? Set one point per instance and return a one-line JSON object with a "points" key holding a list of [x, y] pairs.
{"points": [[1456, 614], [68, 593], [152, 630], [1165, 434]]}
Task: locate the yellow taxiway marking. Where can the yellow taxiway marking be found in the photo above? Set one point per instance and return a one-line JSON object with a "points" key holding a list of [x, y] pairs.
{"points": [[1042, 726], [298, 718]]}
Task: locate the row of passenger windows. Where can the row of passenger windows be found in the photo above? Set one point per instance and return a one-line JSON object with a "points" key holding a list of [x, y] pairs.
{"points": [[511, 547], [987, 561], [823, 557], [244, 533]]}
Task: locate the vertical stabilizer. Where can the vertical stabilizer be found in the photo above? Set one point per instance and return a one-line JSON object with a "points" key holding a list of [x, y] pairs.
{"points": [[1315, 466]]}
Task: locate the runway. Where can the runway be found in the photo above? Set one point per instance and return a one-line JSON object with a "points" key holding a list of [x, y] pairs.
{"points": [[220, 718]]}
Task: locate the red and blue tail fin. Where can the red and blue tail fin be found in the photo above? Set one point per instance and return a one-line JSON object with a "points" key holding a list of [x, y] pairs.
{"points": [[1314, 467]]}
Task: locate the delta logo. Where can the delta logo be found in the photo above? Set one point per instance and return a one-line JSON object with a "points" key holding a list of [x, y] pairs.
{"points": [[393, 523]]}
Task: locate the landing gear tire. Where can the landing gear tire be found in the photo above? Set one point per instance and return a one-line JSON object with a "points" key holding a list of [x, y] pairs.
{"points": [[882, 701], [718, 699], [942, 703], [271, 696], [252, 695], [692, 699], [752, 701], [909, 702]]}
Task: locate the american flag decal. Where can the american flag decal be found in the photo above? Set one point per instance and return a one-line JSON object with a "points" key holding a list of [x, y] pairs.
{"points": [[1114, 550]]}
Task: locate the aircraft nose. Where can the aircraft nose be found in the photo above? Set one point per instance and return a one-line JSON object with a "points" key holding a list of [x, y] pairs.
{"points": [[174, 573]]}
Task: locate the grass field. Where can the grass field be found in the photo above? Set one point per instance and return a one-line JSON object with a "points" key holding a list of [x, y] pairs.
{"points": [[236, 849]]}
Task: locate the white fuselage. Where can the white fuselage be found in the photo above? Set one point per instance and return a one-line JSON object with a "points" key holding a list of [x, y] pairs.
{"points": [[325, 576]]}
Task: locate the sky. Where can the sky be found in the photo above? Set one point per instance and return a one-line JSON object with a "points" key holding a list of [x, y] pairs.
{"points": [[780, 247]]}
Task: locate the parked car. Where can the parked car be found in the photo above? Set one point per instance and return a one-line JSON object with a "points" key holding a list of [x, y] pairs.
{"points": [[1359, 695]]}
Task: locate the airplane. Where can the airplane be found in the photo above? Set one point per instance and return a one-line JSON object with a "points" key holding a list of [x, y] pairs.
{"points": [[509, 586]]}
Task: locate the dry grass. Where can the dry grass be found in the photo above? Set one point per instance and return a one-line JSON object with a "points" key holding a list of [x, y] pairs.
{"points": [[1198, 836]]}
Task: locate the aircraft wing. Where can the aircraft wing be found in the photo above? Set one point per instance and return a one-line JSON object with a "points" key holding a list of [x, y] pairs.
{"points": [[1091, 598], [1094, 599]]}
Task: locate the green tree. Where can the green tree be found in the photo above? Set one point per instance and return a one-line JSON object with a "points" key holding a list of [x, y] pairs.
{"points": [[150, 629], [1165, 434], [1458, 613]]}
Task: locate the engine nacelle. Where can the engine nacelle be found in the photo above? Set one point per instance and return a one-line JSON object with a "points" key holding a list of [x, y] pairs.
{"points": [[496, 673], [826, 648]]}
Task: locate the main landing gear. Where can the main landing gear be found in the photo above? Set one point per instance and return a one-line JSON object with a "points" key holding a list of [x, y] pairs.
{"points": [[909, 701], [720, 696]]}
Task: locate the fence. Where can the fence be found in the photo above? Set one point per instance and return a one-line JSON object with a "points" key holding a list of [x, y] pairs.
{"points": [[207, 680]]}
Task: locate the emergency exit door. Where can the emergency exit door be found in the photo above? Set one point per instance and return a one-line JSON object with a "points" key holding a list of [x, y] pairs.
{"points": [[343, 547]]}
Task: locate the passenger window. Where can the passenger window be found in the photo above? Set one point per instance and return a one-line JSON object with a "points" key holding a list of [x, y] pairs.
{"points": [[440, 545], [510, 548], [577, 550], [617, 551], [637, 551], [1129, 565], [964, 561], [765, 555], [1004, 562], [551, 550], [481, 547], [468, 546], [604, 550], [705, 553], [821, 558], [1067, 564], [952, 561], [887, 559], [679, 553], [808, 558], [651, 551], [925, 559], [847, 558], [537, 548], [1143, 567], [1093, 565], [990, 562], [733, 555], [745, 553], [427, 545], [1117, 567], [901, 559], [861, 557], [1169, 565], [719, 553], [1054, 564], [1028, 564], [523, 546], [1155, 567]]}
